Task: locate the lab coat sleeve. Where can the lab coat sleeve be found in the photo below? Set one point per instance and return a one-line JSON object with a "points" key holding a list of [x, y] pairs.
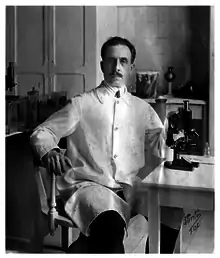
{"points": [[154, 142], [61, 124]]}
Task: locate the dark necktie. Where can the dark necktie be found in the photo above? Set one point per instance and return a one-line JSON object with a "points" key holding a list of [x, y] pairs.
{"points": [[117, 94]]}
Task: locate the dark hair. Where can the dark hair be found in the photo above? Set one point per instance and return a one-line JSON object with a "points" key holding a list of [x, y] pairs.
{"points": [[114, 41]]}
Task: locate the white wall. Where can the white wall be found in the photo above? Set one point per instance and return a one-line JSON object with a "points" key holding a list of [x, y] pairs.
{"points": [[106, 26], [161, 35]]}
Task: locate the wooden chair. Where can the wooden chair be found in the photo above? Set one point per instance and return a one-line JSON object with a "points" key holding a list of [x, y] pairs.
{"points": [[47, 192]]}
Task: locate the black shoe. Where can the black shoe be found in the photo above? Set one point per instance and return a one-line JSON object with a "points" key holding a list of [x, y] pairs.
{"points": [[80, 246]]}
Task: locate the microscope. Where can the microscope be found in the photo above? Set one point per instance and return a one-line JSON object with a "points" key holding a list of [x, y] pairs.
{"points": [[181, 137]]}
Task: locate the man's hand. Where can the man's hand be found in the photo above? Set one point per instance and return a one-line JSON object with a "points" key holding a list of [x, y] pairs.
{"points": [[56, 162]]}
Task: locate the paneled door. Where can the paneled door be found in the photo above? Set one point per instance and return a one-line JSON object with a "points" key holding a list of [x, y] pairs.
{"points": [[73, 48], [53, 48]]}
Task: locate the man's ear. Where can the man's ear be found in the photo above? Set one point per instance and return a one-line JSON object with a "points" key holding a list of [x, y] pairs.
{"points": [[102, 66], [132, 66]]}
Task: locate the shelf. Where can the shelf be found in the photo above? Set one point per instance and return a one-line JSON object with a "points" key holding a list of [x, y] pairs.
{"points": [[179, 101]]}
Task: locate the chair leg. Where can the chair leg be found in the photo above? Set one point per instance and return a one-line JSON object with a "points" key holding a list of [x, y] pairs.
{"points": [[68, 236]]}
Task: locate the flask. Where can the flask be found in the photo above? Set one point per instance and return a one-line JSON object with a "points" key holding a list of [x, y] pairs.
{"points": [[207, 150], [169, 75]]}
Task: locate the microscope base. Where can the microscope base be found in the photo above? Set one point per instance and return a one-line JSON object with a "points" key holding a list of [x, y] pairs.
{"points": [[181, 164]]}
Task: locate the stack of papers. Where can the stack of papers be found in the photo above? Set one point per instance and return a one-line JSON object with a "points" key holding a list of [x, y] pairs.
{"points": [[199, 159]]}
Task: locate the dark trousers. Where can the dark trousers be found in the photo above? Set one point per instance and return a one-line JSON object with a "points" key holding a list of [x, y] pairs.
{"points": [[106, 235]]}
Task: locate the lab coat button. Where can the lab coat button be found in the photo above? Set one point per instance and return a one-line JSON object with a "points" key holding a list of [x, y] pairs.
{"points": [[115, 156], [117, 102], [116, 128]]}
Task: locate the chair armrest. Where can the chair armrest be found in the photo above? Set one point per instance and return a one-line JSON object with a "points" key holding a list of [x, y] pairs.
{"points": [[63, 221]]}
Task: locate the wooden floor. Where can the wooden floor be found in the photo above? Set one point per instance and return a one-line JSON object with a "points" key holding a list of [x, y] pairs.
{"points": [[198, 241]]}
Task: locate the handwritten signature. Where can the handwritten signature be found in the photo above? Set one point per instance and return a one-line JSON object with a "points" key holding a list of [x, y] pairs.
{"points": [[195, 218]]}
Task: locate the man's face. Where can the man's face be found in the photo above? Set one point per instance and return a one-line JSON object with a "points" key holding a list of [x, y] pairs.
{"points": [[116, 65]]}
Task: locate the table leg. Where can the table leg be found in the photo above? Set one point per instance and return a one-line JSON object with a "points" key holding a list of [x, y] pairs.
{"points": [[154, 221], [178, 247]]}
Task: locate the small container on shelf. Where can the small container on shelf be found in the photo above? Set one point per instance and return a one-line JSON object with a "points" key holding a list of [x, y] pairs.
{"points": [[147, 83], [12, 117], [207, 152], [170, 76], [33, 97]]}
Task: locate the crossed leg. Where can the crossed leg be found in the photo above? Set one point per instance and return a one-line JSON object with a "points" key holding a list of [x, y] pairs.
{"points": [[106, 235]]}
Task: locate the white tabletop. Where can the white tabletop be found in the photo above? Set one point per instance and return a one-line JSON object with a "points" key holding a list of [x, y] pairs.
{"points": [[201, 178]]}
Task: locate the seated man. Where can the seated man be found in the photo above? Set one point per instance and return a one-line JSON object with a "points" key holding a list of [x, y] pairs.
{"points": [[106, 130]]}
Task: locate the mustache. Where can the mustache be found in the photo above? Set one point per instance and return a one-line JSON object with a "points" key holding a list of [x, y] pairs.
{"points": [[116, 74]]}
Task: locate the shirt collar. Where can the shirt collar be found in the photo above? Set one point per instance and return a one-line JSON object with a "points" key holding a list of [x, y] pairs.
{"points": [[105, 89], [113, 90]]}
